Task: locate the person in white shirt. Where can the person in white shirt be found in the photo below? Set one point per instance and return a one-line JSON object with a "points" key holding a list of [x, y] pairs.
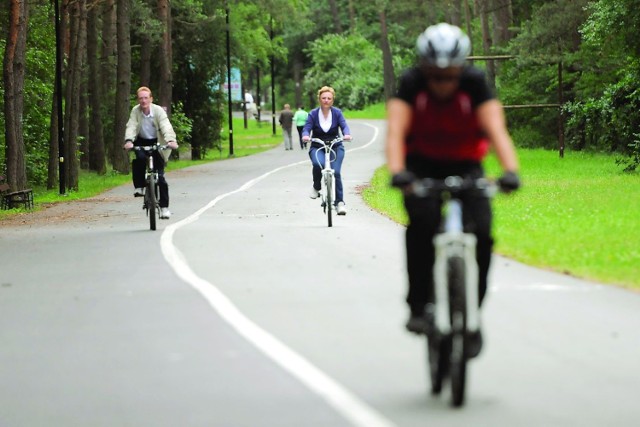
{"points": [[148, 125]]}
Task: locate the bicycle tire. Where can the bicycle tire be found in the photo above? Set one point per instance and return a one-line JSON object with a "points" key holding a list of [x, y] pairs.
{"points": [[151, 201], [458, 304], [438, 348], [329, 200]]}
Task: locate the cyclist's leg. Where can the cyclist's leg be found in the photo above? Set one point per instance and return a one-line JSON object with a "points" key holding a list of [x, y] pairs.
{"points": [[478, 216], [424, 217], [318, 164], [337, 167], [162, 182], [138, 168]]}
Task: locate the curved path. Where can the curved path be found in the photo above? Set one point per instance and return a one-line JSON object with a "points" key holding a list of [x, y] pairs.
{"points": [[246, 310]]}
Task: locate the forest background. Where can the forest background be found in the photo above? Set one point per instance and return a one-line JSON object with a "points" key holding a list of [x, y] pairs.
{"points": [[568, 69]]}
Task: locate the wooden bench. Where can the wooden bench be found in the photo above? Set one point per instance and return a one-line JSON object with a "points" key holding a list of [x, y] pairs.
{"points": [[14, 199]]}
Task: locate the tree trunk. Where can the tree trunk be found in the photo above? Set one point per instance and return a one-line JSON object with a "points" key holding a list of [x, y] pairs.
{"points": [[483, 11], [502, 21], [96, 136], [13, 77], [387, 58], [75, 74], [52, 169], [108, 78], [336, 16], [123, 86], [166, 56], [145, 60]]}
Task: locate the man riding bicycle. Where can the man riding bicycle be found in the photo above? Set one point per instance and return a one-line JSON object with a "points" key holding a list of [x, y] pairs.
{"points": [[149, 124], [441, 122]]}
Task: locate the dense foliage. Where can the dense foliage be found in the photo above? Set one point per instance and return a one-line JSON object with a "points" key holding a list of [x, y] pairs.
{"points": [[308, 44]]}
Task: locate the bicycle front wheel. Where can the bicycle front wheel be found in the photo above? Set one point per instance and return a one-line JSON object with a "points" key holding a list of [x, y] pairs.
{"points": [[150, 193], [458, 303], [328, 184]]}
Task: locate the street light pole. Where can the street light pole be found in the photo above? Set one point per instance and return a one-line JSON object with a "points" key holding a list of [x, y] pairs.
{"points": [[273, 84], [229, 84], [61, 166]]}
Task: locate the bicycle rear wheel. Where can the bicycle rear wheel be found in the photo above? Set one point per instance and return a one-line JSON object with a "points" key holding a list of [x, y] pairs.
{"points": [[150, 193], [328, 185], [458, 303]]}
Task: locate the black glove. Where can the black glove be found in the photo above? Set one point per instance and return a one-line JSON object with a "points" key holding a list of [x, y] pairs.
{"points": [[402, 179], [509, 182]]}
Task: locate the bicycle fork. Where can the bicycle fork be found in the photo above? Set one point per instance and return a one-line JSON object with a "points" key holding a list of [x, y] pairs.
{"points": [[455, 243]]}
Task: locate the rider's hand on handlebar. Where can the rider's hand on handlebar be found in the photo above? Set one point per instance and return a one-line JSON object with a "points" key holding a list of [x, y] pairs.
{"points": [[403, 179], [172, 144], [509, 182], [305, 138], [347, 137], [128, 145]]}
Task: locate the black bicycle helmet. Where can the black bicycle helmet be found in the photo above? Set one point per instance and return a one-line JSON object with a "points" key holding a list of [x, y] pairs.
{"points": [[443, 45]]}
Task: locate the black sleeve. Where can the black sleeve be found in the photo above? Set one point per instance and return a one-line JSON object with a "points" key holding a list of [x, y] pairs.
{"points": [[474, 82], [410, 84]]}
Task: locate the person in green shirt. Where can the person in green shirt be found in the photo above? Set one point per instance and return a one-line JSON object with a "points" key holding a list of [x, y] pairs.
{"points": [[300, 118]]}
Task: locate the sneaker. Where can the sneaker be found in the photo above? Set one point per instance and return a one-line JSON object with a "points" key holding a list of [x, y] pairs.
{"points": [[474, 344], [416, 324], [165, 213], [314, 193], [139, 192], [430, 319], [341, 208]]}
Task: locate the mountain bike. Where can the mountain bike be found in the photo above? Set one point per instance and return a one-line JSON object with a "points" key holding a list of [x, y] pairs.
{"points": [[454, 317], [328, 190], [151, 201]]}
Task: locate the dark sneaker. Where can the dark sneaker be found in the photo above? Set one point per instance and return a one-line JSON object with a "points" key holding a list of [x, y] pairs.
{"points": [[139, 192], [416, 324], [474, 344]]}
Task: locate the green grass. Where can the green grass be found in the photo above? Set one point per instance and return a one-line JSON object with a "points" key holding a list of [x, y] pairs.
{"points": [[375, 111], [577, 215], [256, 138]]}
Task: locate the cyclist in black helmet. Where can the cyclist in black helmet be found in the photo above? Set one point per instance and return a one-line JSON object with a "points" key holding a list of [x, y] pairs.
{"points": [[441, 122]]}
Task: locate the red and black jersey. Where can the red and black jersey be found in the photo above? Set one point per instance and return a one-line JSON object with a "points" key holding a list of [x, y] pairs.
{"points": [[446, 130]]}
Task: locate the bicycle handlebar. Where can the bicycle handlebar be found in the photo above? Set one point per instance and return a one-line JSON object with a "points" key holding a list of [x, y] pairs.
{"points": [[334, 141], [150, 147], [430, 187]]}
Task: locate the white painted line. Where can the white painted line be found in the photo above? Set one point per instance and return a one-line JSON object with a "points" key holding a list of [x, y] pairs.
{"points": [[342, 400]]}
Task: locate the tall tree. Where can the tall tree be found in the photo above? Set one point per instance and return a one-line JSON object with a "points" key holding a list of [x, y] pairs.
{"points": [[165, 56], [96, 134], [387, 59], [123, 85], [13, 77]]}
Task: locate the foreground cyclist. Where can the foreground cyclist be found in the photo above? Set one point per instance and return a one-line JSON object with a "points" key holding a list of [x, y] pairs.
{"points": [[442, 122], [149, 124], [325, 123]]}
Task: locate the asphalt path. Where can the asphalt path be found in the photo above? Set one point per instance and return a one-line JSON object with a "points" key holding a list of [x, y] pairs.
{"points": [[245, 309]]}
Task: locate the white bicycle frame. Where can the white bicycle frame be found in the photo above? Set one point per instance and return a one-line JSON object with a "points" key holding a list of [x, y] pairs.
{"points": [[328, 174], [454, 242]]}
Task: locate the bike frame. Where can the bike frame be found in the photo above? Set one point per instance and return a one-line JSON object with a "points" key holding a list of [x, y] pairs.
{"points": [[151, 201], [328, 190]]}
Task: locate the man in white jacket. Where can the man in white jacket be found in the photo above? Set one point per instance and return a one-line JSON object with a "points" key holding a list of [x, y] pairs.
{"points": [[148, 125]]}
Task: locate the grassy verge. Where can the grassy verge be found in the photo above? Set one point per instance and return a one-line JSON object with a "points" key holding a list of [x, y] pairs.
{"points": [[577, 215], [256, 138]]}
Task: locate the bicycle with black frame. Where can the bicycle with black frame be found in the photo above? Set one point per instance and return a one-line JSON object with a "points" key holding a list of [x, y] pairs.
{"points": [[151, 201]]}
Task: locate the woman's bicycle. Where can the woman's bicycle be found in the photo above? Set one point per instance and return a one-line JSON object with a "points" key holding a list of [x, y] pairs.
{"points": [[151, 201], [328, 190], [454, 318]]}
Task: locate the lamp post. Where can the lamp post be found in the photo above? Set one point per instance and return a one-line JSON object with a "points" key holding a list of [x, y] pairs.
{"points": [[61, 166], [229, 84]]}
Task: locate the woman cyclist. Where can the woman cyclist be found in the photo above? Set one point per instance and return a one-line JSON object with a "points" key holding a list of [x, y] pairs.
{"points": [[441, 122], [325, 123]]}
